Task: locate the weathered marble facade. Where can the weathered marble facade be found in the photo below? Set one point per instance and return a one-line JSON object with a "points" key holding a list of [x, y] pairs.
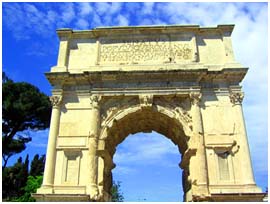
{"points": [[180, 81]]}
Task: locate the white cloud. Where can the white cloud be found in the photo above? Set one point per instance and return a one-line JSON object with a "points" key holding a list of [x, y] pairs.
{"points": [[150, 148], [96, 21], [116, 7], [148, 7], [25, 20], [122, 20], [124, 170], [29, 8], [85, 9], [51, 16], [82, 24], [102, 8], [68, 13]]}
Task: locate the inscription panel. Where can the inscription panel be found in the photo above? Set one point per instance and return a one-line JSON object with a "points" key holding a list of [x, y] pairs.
{"points": [[134, 50], [71, 167]]}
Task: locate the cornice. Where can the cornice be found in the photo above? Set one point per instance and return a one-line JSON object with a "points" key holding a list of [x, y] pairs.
{"points": [[157, 29], [228, 75]]}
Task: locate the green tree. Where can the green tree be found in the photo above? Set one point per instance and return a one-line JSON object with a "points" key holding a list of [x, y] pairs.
{"points": [[33, 183], [14, 179], [37, 165], [117, 195], [24, 107]]}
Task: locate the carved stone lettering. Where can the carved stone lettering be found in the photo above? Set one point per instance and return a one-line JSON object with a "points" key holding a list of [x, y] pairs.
{"points": [[142, 50]]}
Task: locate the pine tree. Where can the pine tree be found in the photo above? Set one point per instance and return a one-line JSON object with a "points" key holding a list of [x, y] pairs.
{"points": [[24, 107], [14, 179], [37, 165]]}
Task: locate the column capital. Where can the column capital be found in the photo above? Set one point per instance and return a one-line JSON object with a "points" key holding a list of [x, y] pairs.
{"points": [[236, 97], [56, 101], [195, 97], [94, 100]]}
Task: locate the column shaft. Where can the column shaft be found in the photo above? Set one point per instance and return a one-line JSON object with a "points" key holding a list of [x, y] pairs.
{"points": [[236, 99], [244, 147], [49, 171], [200, 154], [198, 166], [94, 122]]}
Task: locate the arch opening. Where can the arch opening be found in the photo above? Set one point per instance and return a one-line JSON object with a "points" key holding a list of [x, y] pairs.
{"points": [[145, 120], [147, 167], [142, 120]]}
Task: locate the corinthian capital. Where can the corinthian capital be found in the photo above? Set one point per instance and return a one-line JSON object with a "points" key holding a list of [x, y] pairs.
{"points": [[236, 98], [94, 100], [195, 98], [56, 100]]}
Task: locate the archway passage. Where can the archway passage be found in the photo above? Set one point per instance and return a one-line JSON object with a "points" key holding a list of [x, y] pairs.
{"points": [[143, 120], [147, 167]]}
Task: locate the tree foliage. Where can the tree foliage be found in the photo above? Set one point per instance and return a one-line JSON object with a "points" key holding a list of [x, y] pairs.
{"points": [[117, 195], [37, 165], [19, 182], [32, 184], [24, 107], [14, 179]]}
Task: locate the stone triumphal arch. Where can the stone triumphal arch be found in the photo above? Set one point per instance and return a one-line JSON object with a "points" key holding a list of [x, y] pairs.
{"points": [[180, 81]]}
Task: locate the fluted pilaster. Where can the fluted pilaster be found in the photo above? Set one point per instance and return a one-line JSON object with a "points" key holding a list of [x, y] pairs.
{"points": [[94, 123]]}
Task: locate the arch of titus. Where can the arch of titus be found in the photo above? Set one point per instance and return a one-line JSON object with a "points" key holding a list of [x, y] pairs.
{"points": [[180, 81]]}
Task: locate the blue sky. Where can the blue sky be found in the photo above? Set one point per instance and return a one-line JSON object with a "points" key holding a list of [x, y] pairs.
{"points": [[30, 46]]}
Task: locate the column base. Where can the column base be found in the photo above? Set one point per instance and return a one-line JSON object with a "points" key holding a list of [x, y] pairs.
{"points": [[45, 189], [61, 197], [72, 194], [238, 197], [93, 191]]}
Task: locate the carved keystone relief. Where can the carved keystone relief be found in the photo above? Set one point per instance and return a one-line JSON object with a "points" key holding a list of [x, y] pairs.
{"points": [[160, 48], [146, 100]]}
